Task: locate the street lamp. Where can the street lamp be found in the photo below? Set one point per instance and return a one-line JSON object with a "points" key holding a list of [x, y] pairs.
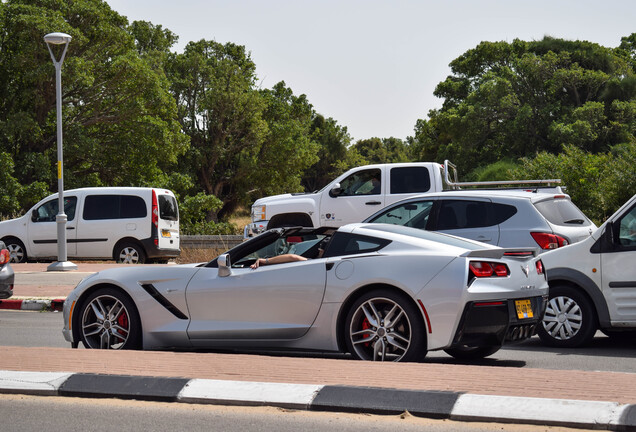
{"points": [[62, 264]]}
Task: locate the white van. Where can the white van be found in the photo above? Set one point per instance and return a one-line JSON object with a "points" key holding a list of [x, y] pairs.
{"points": [[131, 225]]}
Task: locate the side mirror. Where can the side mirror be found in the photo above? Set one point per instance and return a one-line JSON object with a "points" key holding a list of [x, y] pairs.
{"points": [[34, 216], [335, 190], [224, 265]]}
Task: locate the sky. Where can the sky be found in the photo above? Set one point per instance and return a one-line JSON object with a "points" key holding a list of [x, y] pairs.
{"points": [[373, 65]]}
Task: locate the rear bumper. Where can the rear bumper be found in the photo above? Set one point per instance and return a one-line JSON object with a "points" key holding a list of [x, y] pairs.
{"points": [[153, 251], [495, 322]]}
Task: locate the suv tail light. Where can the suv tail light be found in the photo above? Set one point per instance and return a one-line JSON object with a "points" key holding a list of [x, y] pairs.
{"points": [[4, 256], [481, 269], [548, 240], [540, 269]]}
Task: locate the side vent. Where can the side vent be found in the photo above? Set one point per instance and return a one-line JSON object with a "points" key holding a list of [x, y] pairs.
{"points": [[150, 289]]}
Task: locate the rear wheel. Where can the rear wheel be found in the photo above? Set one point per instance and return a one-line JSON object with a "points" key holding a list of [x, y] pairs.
{"points": [[130, 253], [472, 353], [385, 326], [570, 318], [17, 251], [109, 320]]}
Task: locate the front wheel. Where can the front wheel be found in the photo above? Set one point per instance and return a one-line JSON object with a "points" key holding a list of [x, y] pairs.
{"points": [[109, 320], [472, 353], [130, 253], [570, 318], [383, 325]]}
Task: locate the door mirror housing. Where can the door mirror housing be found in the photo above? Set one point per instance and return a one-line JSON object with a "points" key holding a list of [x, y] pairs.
{"points": [[335, 191], [224, 265]]}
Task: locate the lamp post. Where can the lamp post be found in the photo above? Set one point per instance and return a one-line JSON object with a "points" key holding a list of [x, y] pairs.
{"points": [[62, 264]]}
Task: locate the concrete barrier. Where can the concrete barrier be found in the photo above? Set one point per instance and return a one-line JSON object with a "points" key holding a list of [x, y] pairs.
{"points": [[210, 241]]}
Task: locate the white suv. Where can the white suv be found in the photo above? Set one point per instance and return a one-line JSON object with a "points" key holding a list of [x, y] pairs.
{"points": [[593, 284], [505, 218]]}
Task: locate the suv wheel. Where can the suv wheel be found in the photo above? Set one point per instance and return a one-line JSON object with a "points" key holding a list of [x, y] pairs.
{"points": [[570, 318]]}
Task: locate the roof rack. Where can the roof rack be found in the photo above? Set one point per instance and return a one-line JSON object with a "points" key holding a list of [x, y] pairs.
{"points": [[455, 184]]}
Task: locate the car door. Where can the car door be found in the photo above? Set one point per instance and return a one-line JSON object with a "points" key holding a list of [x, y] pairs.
{"points": [[467, 218], [42, 228], [361, 195], [272, 302], [618, 272]]}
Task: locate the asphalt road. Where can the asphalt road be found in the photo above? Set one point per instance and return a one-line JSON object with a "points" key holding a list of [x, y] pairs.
{"points": [[29, 413], [31, 329]]}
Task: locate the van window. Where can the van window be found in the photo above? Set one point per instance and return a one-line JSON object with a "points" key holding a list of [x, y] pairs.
{"points": [[101, 207], [410, 180], [47, 211], [168, 209]]}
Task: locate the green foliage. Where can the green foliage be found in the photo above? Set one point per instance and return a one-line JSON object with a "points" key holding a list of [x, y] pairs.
{"points": [[387, 150], [193, 211], [498, 171]]}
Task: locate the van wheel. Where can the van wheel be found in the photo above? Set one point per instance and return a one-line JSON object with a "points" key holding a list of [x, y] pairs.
{"points": [[130, 253], [17, 251], [570, 318]]}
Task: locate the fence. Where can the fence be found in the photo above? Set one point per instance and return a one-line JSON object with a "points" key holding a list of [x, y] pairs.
{"points": [[210, 241]]}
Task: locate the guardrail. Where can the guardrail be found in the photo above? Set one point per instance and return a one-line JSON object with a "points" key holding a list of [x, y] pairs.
{"points": [[224, 242]]}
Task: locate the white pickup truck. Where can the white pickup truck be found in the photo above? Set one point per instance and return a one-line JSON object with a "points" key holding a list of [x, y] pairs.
{"points": [[357, 194]]}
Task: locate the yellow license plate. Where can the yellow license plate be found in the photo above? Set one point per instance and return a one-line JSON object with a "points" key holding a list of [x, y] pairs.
{"points": [[165, 233], [524, 309]]}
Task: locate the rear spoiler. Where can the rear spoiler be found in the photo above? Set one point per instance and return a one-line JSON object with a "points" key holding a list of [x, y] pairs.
{"points": [[498, 253]]}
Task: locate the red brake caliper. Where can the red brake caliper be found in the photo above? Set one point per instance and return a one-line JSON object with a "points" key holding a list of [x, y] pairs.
{"points": [[123, 323], [366, 325]]}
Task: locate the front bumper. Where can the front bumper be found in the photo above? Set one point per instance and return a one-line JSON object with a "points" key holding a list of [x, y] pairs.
{"points": [[491, 323], [254, 229]]}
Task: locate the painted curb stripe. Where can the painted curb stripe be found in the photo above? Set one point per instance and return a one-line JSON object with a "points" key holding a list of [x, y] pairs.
{"points": [[293, 396], [589, 414], [32, 305], [431, 404], [122, 386], [36, 383]]}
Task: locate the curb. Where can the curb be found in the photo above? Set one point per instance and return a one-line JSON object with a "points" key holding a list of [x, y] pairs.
{"points": [[431, 404], [33, 304]]}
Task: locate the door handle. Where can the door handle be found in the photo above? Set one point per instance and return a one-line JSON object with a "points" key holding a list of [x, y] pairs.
{"points": [[70, 228], [484, 239], [373, 203]]}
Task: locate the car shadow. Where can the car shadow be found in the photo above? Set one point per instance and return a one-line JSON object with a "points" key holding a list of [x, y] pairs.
{"points": [[601, 345]]}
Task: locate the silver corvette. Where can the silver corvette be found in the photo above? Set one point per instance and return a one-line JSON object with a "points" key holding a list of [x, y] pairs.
{"points": [[378, 292]]}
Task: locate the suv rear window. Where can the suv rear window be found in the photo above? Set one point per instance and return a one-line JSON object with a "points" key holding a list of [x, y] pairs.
{"points": [[562, 211]]}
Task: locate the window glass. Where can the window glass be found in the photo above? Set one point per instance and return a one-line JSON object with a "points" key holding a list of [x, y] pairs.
{"points": [[47, 211], [502, 212], [168, 209], [627, 229], [412, 214], [102, 207], [410, 180], [462, 214], [350, 244], [561, 211], [304, 245], [365, 182]]}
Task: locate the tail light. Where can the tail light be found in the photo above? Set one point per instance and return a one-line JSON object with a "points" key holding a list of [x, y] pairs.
{"points": [[540, 269], [4, 256], [155, 218], [482, 269], [549, 241]]}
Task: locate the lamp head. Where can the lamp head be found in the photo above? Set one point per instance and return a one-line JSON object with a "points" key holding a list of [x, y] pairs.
{"points": [[57, 38]]}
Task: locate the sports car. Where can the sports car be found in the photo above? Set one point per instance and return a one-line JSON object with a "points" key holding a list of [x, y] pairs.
{"points": [[376, 291]]}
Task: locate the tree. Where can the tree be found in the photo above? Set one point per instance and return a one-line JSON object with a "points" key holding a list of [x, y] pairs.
{"points": [[387, 150], [119, 119]]}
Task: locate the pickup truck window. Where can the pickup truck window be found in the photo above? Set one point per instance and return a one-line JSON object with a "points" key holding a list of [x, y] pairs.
{"points": [[367, 182], [410, 180]]}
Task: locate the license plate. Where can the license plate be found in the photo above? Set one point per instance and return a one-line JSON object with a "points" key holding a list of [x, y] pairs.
{"points": [[165, 233], [524, 309]]}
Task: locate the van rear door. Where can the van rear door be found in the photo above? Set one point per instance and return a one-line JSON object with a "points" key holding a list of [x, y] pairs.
{"points": [[167, 220]]}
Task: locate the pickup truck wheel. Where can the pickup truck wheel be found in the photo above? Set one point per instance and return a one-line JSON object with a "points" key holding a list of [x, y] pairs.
{"points": [[17, 251], [570, 318]]}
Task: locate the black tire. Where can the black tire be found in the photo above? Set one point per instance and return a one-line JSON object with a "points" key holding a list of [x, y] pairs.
{"points": [[129, 253], [108, 319], [372, 338], [472, 353], [16, 248], [570, 319]]}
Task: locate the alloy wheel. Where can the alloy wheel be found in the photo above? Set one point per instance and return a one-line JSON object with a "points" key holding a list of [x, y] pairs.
{"points": [[105, 323], [16, 253], [129, 255], [380, 330]]}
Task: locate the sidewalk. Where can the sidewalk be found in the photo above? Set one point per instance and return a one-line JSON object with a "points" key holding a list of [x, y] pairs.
{"points": [[598, 400]]}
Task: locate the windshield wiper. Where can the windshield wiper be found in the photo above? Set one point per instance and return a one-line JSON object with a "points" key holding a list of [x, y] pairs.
{"points": [[575, 221]]}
